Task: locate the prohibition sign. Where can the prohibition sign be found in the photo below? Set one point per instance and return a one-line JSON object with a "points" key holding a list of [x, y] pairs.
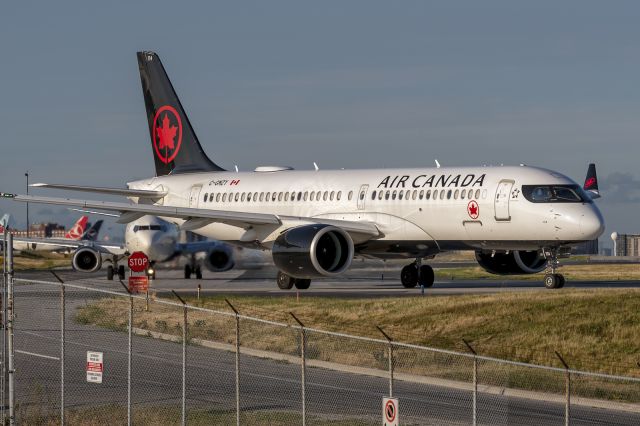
{"points": [[390, 411]]}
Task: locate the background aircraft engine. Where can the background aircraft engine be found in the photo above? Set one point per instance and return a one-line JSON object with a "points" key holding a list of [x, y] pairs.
{"points": [[86, 260], [511, 263], [313, 251], [219, 259]]}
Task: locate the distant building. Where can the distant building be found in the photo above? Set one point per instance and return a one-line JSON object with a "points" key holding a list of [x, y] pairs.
{"points": [[628, 245], [588, 247], [42, 230]]}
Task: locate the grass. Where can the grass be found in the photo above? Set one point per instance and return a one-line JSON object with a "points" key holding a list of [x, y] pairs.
{"points": [[163, 415], [38, 260], [594, 330]]}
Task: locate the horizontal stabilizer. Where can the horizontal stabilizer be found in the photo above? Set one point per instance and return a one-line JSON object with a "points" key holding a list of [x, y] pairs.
{"points": [[142, 193]]}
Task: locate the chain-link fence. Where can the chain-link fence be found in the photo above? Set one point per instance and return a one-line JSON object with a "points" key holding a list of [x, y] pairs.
{"points": [[168, 362]]}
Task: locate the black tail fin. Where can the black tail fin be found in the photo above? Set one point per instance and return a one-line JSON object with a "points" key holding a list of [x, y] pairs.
{"points": [[591, 182], [91, 234], [174, 143]]}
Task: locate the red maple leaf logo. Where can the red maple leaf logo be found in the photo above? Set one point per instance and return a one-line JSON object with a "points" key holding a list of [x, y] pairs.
{"points": [[166, 134], [473, 209]]}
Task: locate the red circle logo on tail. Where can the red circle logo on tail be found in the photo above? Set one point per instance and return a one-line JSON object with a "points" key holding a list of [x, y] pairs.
{"points": [[167, 133]]}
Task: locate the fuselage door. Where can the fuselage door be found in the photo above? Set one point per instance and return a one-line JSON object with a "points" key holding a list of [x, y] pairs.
{"points": [[362, 196], [502, 200], [194, 196]]}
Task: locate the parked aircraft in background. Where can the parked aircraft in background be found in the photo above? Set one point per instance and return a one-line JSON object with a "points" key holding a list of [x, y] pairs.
{"points": [[516, 219], [82, 230]]}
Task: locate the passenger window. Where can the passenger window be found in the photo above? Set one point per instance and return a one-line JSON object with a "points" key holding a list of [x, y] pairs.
{"points": [[415, 194], [224, 197], [470, 194], [279, 196], [421, 196], [206, 196], [299, 196], [293, 196], [380, 195], [373, 195], [400, 195], [312, 196], [306, 195], [477, 194], [249, 196], [243, 197], [386, 195], [394, 194], [333, 193], [449, 194], [286, 196], [350, 195], [273, 196], [455, 194], [442, 194], [237, 197], [218, 197], [338, 195], [484, 193], [435, 194], [261, 196], [463, 194]]}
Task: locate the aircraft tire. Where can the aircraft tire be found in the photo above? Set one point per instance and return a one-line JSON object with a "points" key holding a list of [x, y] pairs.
{"points": [[562, 280], [121, 272], [187, 272], [426, 276], [302, 284], [553, 281], [198, 273], [284, 281], [409, 276], [110, 273]]}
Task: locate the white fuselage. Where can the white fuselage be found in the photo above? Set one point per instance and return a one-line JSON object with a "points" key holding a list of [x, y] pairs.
{"points": [[418, 211], [155, 237]]}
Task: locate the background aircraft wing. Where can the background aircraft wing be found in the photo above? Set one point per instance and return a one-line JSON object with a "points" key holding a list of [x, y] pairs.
{"points": [[101, 246], [198, 246]]}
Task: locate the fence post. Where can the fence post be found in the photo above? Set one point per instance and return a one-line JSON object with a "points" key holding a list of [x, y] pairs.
{"points": [[303, 363], [237, 315], [4, 379], [567, 387], [475, 382], [10, 348], [184, 358], [62, 341], [129, 353], [386, 336]]}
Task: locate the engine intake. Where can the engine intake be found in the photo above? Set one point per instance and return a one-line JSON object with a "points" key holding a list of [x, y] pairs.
{"points": [[86, 260], [219, 259], [516, 262], [312, 251]]}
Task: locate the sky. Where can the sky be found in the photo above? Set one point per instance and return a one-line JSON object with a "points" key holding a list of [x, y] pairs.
{"points": [[353, 84]]}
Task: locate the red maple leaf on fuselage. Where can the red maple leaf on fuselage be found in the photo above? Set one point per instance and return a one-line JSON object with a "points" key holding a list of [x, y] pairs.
{"points": [[166, 134]]}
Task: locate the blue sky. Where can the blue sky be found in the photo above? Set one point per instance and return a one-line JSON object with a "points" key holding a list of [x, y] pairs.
{"points": [[344, 83]]}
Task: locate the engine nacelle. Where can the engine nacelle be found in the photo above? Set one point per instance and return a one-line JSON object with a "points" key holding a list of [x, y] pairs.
{"points": [[515, 262], [86, 260], [219, 259], [312, 251]]}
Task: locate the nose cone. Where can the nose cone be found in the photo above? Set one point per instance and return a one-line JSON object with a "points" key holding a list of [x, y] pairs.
{"points": [[592, 224]]}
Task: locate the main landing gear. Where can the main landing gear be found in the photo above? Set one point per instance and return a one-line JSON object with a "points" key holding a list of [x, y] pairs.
{"points": [[417, 274], [114, 269], [286, 282], [192, 268], [553, 280]]}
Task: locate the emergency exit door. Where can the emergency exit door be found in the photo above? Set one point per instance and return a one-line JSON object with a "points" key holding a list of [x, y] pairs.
{"points": [[194, 195], [503, 193]]}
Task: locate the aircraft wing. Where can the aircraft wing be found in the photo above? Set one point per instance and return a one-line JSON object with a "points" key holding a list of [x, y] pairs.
{"points": [[198, 246], [125, 192], [197, 218], [101, 246]]}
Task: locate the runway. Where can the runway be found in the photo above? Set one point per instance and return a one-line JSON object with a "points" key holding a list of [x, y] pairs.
{"points": [[267, 386]]}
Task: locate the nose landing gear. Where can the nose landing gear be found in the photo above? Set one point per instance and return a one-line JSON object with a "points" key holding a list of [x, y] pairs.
{"points": [[554, 280]]}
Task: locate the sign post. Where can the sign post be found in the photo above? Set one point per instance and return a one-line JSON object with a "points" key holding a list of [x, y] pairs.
{"points": [[390, 413], [95, 367]]}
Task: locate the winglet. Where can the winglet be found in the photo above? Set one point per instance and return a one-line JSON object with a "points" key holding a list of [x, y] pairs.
{"points": [[591, 182]]}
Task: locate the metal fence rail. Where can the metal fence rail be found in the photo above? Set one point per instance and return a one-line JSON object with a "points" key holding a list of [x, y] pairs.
{"points": [[168, 362]]}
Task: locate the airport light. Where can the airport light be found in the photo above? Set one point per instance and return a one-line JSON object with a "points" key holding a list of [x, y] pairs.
{"points": [[27, 176]]}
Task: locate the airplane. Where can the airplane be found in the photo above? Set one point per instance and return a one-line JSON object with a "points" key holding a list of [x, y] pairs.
{"points": [[81, 230], [517, 220]]}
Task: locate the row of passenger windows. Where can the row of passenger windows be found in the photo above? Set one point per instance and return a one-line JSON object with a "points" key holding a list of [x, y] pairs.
{"points": [[275, 196], [428, 194], [223, 197]]}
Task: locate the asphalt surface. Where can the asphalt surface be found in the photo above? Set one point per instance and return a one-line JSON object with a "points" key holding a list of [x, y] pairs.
{"points": [[268, 386]]}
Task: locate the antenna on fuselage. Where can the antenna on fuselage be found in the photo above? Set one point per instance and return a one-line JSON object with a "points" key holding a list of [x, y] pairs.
{"points": [[315, 166], [437, 163], [236, 167]]}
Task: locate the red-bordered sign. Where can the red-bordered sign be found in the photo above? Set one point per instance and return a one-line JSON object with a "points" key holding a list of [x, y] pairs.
{"points": [[138, 283], [390, 411], [138, 261], [473, 209], [167, 133]]}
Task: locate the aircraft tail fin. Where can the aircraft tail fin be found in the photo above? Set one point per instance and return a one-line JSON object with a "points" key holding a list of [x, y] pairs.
{"points": [[175, 146], [77, 230], [591, 182], [91, 234]]}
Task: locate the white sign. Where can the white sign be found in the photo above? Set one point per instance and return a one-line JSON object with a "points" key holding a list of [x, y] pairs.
{"points": [[390, 411], [94, 367]]}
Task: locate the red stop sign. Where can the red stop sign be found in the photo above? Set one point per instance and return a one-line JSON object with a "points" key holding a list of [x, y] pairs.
{"points": [[138, 261]]}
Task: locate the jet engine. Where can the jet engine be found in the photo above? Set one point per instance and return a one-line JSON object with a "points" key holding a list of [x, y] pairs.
{"points": [[515, 262], [86, 260], [219, 259], [312, 251]]}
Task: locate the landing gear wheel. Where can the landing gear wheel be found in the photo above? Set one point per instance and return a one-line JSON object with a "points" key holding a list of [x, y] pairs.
{"points": [[552, 281], [187, 272], [121, 272], [110, 273], [285, 282], [198, 273], [426, 276], [302, 284], [409, 276]]}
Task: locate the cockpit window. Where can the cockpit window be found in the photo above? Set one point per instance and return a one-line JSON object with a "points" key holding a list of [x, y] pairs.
{"points": [[148, 228], [555, 194]]}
